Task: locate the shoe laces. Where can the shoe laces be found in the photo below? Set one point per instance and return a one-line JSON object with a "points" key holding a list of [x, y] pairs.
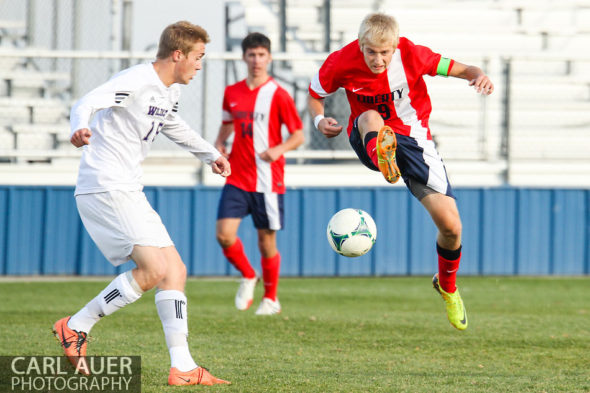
{"points": [[80, 338], [200, 372]]}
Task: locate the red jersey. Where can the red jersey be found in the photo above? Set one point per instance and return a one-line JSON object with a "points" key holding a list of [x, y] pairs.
{"points": [[399, 93], [257, 116]]}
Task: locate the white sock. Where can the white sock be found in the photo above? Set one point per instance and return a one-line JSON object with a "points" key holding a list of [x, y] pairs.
{"points": [[171, 305], [122, 291]]}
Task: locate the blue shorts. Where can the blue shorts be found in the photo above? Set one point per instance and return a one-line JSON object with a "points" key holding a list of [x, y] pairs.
{"points": [[266, 208], [417, 160]]}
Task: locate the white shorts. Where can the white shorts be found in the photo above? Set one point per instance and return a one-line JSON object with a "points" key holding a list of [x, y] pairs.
{"points": [[119, 220]]}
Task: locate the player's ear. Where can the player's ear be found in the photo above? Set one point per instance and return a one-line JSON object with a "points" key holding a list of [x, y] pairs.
{"points": [[177, 55]]}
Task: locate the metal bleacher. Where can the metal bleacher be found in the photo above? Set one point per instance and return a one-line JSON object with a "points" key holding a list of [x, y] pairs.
{"points": [[33, 113], [541, 46]]}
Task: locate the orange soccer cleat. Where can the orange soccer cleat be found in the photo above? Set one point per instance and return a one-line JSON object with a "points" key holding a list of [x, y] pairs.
{"points": [[73, 343], [386, 146], [197, 376]]}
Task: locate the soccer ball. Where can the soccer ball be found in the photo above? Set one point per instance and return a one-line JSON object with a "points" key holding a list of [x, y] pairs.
{"points": [[351, 232]]}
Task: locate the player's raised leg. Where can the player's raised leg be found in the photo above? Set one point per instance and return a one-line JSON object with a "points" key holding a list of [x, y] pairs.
{"points": [[233, 249], [123, 290], [381, 144], [171, 304], [445, 215], [271, 264]]}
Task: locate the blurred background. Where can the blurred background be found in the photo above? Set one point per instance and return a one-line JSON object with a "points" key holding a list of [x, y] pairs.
{"points": [[520, 158]]}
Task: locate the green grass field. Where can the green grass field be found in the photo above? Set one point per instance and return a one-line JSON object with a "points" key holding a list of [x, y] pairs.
{"points": [[338, 334]]}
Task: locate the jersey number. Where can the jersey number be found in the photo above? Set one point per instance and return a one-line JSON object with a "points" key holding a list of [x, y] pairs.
{"points": [[246, 129], [158, 128], [384, 111]]}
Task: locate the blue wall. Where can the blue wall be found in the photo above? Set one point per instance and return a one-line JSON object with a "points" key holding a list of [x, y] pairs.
{"points": [[505, 231]]}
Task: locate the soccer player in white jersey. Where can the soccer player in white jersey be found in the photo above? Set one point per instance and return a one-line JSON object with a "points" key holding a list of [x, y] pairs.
{"points": [[382, 74], [254, 110], [117, 123]]}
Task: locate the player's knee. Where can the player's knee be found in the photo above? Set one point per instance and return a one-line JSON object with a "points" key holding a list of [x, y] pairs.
{"points": [[263, 244], [267, 243], [368, 122], [370, 117], [181, 271], [224, 239], [267, 249], [155, 273], [452, 230]]}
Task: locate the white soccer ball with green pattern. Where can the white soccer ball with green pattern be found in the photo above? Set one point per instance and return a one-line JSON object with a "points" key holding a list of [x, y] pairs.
{"points": [[351, 232]]}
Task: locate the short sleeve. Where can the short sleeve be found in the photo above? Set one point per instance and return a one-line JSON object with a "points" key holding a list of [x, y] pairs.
{"points": [[288, 112], [226, 116], [428, 62], [327, 80]]}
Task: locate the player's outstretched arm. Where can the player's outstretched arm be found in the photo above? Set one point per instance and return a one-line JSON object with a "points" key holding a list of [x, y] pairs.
{"points": [[81, 137], [221, 166], [476, 77], [326, 125]]}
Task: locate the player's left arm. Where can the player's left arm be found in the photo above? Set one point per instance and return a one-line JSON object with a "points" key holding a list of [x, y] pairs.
{"points": [[476, 77], [292, 142], [179, 132], [288, 116]]}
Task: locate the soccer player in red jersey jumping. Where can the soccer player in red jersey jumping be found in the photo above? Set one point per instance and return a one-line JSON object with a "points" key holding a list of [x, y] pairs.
{"points": [[254, 110], [382, 74]]}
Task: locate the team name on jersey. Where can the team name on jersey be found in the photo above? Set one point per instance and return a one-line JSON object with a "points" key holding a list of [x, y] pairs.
{"points": [[155, 111], [380, 98], [249, 115]]}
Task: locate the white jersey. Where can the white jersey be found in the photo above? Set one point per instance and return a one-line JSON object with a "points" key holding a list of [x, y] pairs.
{"points": [[129, 110]]}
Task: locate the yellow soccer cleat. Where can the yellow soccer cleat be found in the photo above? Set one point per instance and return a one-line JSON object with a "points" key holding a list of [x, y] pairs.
{"points": [[455, 308], [386, 146]]}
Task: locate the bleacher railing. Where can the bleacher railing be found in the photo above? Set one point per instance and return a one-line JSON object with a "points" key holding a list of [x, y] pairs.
{"points": [[489, 120]]}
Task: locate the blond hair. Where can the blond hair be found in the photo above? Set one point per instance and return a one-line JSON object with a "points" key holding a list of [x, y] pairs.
{"points": [[378, 29], [181, 36]]}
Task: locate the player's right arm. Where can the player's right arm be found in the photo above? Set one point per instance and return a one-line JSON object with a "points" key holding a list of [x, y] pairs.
{"points": [[81, 137], [326, 125], [116, 92], [225, 130], [323, 84]]}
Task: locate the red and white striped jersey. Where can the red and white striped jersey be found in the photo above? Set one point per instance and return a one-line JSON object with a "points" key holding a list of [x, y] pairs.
{"points": [[399, 94], [257, 116]]}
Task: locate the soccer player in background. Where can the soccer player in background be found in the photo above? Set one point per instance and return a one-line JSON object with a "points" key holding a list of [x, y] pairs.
{"points": [[118, 121], [254, 110], [382, 75]]}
